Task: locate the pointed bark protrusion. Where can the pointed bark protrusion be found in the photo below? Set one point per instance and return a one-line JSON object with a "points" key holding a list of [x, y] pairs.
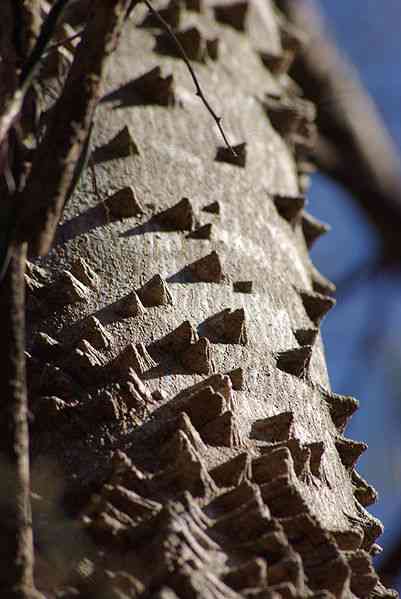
{"points": [[252, 574], [233, 472], [289, 207], [225, 154], [204, 232], [179, 339], [121, 145], [179, 217], [237, 378], [201, 407], [233, 14], [95, 333], [84, 273], [267, 467], [86, 363], [208, 268], [47, 348], [295, 361], [243, 286], [320, 283], [306, 336], [349, 451], [278, 64], [341, 407], [213, 208], [67, 290], [133, 356], [191, 39], [197, 357], [313, 228], [223, 431], [363, 492], [123, 203], [171, 14], [348, 539], [316, 453], [275, 428], [154, 88], [130, 305], [363, 576], [155, 292], [228, 327], [316, 305]]}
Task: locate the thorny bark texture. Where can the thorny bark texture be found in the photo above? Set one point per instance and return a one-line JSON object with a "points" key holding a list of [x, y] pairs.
{"points": [[196, 402], [353, 146]]}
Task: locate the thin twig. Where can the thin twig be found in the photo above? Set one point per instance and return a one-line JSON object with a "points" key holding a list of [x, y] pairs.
{"points": [[65, 40], [29, 69], [185, 58]]}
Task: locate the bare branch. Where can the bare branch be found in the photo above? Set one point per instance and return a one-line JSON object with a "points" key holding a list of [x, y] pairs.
{"points": [[43, 198], [185, 58]]}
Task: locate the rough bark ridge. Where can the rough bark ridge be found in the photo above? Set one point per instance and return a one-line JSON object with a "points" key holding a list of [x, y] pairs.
{"points": [[182, 413]]}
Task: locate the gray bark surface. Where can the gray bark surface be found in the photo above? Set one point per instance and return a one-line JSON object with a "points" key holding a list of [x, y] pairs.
{"points": [[210, 461]]}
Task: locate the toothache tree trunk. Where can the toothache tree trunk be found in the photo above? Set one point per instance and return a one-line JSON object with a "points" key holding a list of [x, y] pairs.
{"points": [[185, 439]]}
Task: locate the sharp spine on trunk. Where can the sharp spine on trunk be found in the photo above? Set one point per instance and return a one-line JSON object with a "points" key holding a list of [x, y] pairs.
{"points": [[95, 333], [278, 64], [237, 378], [155, 292], [197, 357], [67, 289], [133, 356], [233, 14], [229, 326], [121, 145], [364, 493], [316, 305], [232, 472], [341, 407], [238, 158], [203, 232], [320, 283], [279, 427], [349, 450], [266, 468], [243, 286], [179, 339], [208, 268], [223, 430], [179, 217], [213, 208], [312, 228], [289, 207], [130, 305], [123, 203], [306, 336], [84, 273], [171, 14], [295, 361]]}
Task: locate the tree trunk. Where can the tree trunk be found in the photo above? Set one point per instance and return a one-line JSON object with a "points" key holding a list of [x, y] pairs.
{"points": [[185, 439]]}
